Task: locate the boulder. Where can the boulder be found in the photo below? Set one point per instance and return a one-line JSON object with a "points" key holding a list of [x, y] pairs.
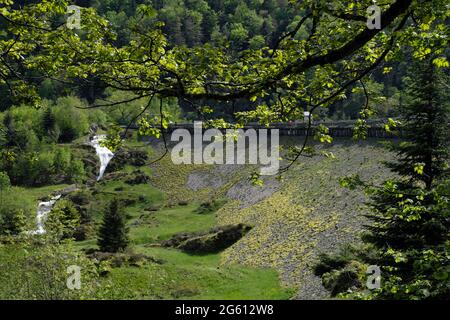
{"points": [[214, 240], [114, 176], [153, 208], [93, 128], [351, 277]]}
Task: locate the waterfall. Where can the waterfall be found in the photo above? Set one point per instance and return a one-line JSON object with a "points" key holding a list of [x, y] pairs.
{"points": [[105, 155], [45, 207], [43, 210]]}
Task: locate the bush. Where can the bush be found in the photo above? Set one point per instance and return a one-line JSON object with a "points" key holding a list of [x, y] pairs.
{"points": [[84, 232], [329, 262], [13, 213], [64, 220], [75, 172], [41, 168], [39, 271], [5, 184], [32, 169], [12, 220], [210, 206], [62, 158], [21, 130], [98, 117], [72, 122], [352, 276]]}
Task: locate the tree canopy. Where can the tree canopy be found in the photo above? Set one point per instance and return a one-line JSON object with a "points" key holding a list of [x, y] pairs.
{"points": [[337, 48], [325, 49]]}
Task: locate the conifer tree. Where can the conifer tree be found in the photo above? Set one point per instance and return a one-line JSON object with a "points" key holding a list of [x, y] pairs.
{"points": [[411, 214], [113, 233], [423, 152], [408, 237]]}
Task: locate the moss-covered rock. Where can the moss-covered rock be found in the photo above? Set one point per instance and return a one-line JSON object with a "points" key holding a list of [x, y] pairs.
{"points": [[214, 240]]}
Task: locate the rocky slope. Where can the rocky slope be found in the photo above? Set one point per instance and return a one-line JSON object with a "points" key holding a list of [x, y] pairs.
{"points": [[294, 219]]}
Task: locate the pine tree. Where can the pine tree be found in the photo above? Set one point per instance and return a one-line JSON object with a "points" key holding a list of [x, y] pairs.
{"points": [[422, 154], [409, 235], [411, 214], [113, 233], [421, 162]]}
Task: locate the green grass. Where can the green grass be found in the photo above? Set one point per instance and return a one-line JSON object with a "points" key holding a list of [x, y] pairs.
{"points": [[37, 193], [166, 223], [144, 194], [184, 276], [129, 169], [181, 276]]}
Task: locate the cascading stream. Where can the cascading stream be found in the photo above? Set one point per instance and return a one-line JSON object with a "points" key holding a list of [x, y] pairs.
{"points": [[43, 210], [105, 155], [45, 207]]}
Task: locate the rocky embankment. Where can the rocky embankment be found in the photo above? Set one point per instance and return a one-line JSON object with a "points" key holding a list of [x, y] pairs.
{"points": [[293, 219]]}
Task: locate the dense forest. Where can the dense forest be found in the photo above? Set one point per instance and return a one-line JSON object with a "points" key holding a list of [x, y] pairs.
{"points": [[87, 182], [240, 26]]}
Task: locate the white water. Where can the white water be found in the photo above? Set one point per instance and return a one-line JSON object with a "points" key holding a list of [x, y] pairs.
{"points": [[45, 207], [43, 210], [105, 155]]}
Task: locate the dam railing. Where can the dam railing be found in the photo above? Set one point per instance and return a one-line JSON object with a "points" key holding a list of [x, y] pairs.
{"points": [[376, 128]]}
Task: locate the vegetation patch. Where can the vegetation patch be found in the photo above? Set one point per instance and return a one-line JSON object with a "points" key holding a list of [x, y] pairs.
{"points": [[214, 240], [210, 206]]}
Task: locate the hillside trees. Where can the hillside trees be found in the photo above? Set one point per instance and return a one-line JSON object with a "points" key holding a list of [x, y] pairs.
{"points": [[12, 218], [30, 141], [12, 215], [311, 66]]}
